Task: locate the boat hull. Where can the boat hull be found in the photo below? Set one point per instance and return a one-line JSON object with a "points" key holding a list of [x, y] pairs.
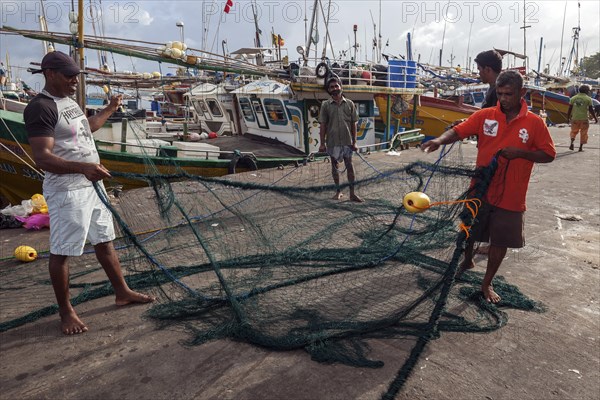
{"points": [[434, 115], [19, 179], [556, 106]]}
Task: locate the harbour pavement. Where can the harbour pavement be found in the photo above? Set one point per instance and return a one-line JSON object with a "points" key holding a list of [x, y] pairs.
{"points": [[550, 355]]}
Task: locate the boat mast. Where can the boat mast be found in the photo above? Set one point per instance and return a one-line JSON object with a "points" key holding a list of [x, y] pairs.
{"points": [[524, 27], [259, 55], [44, 28], [561, 63], [81, 59], [467, 62], [379, 50], [309, 39], [574, 54], [444, 35]]}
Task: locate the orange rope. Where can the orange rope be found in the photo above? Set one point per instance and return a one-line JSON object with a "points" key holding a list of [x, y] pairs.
{"points": [[471, 204]]}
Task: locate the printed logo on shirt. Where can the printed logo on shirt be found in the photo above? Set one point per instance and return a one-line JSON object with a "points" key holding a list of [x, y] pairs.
{"points": [[71, 113], [523, 135], [490, 127]]}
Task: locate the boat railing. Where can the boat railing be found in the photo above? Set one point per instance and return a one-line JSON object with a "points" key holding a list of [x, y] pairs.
{"points": [[398, 73], [400, 140], [169, 150]]}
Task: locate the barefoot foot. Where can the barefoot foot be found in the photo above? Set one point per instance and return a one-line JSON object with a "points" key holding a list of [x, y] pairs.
{"points": [[356, 199], [464, 267], [490, 295], [70, 324], [133, 297], [338, 196], [482, 250]]}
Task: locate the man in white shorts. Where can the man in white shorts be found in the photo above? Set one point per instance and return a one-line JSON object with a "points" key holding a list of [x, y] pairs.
{"points": [[61, 140]]}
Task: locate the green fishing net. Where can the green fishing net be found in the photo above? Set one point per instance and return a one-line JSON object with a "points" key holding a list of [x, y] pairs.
{"points": [[268, 257]]}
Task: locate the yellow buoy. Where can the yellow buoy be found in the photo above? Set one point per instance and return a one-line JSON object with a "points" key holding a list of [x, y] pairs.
{"points": [[39, 204], [176, 53], [416, 202], [105, 89], [177, 45], [25, 253]]}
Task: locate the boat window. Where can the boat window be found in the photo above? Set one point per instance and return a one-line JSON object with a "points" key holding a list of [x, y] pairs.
{"points": [[478, 97], [247, 109], [275, 112], [213, 105], [202, 110], [363, 109]]}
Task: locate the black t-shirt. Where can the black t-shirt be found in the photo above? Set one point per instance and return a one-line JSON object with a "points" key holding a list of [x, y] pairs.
{"points": [[491, 99]]}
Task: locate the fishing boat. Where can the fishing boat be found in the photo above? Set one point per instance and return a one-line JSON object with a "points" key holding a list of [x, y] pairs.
{"points": [[432, 115], [556, 105], [263, 124], [124, 147]]}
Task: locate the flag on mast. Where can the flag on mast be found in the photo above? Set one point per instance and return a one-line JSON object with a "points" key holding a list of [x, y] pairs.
{"points": [[228, 6]]}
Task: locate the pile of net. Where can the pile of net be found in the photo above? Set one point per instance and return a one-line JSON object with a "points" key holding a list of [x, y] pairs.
{"points": [[270, 258]]}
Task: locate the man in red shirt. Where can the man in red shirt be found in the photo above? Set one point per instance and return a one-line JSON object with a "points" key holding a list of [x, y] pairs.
{"points": [[519, 139]]}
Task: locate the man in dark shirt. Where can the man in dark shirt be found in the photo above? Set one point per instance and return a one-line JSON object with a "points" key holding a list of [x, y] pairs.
{"points": [[489, 64]]}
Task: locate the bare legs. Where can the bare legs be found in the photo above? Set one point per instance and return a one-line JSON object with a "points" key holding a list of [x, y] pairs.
{"points": [[59, 275], [107, 256], [351, 178], [495, 256]]}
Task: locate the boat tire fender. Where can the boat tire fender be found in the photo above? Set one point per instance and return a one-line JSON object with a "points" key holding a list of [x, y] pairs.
{"points": [[322, 70], [242, 161]]}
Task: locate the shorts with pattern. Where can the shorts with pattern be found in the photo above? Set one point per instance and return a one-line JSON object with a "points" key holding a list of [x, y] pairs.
{"points": [[339, 153]]}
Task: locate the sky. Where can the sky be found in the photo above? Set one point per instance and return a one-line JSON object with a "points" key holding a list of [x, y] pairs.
{"points": [[461, 28]]}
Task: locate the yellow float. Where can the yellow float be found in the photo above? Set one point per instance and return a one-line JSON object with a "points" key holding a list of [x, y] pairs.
{"points": [[25, 253], [39, 204], [416, 202]]}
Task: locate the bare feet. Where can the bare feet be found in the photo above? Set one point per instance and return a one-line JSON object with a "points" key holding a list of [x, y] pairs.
{"points": [[464, 267], [356, 199], [133, 297], [485, 249], [70, 324], [489, 294], [338, 196]]}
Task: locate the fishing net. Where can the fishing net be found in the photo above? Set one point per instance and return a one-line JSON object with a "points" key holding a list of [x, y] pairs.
{"points": [[268, 257]]}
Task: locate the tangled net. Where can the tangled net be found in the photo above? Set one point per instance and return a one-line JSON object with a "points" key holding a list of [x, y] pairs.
{"points": [[269, 258]]}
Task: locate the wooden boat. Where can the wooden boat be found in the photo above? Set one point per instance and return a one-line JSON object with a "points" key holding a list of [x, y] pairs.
{"points": [[555, 104], [432, 114], [20, 179], [288, 112]]}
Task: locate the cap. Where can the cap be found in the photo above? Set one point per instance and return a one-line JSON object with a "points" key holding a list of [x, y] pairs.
{"points": [[60, 62]]}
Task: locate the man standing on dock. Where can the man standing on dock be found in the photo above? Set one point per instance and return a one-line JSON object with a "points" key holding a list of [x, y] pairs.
{"points": [[579, 106], [338, 119], [519, 139], [61, 140]]}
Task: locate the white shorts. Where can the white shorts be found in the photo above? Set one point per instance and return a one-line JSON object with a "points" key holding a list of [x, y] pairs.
{"points": [[75, 217]]}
